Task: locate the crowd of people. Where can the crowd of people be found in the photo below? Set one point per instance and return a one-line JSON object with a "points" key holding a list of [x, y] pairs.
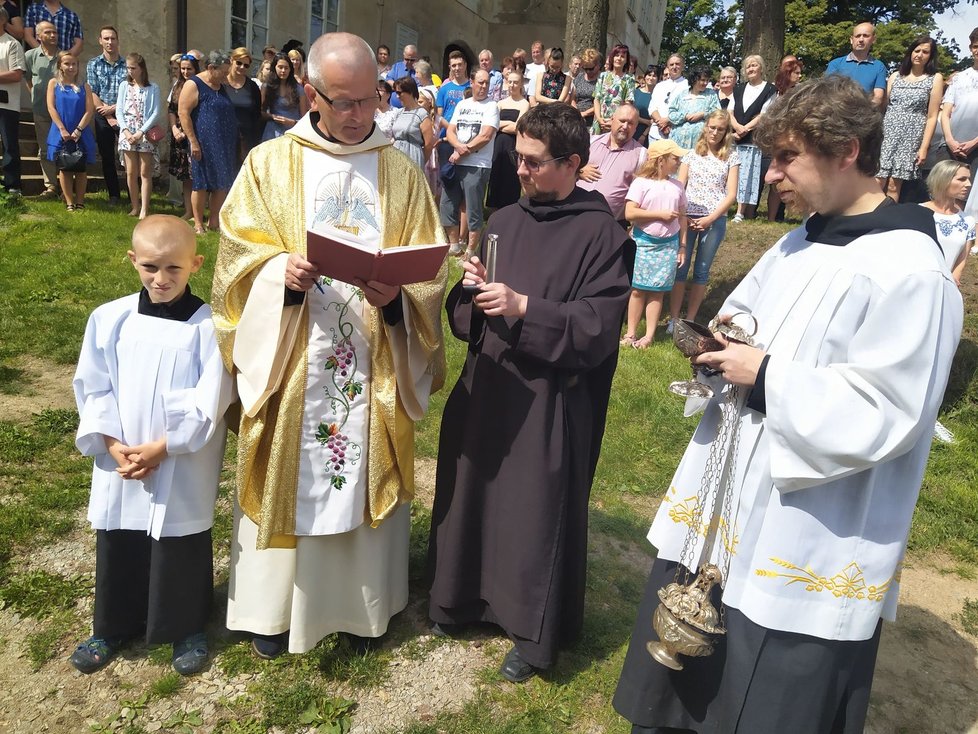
{"points": [[605, 190]]}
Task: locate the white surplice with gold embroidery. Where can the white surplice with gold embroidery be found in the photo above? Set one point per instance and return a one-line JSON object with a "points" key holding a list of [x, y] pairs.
{"points": [[861, 339]]}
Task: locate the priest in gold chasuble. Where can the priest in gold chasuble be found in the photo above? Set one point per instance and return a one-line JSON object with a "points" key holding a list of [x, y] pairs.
{"points": [[332, 375]]}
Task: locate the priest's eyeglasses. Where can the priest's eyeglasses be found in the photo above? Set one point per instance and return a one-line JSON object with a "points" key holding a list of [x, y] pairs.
{"points": [[344, 106], [531, 165]]}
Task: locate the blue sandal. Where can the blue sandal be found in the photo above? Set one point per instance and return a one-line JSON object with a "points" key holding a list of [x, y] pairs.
{"points": [[190, 655], [95, 653]]}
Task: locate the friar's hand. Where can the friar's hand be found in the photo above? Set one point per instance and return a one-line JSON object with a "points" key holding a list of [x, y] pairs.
{"points": [[738, 362], [377, 294], [300, 274], [473, 272], [498, 299]]}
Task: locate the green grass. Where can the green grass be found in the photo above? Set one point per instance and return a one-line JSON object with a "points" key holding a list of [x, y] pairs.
{"points": [[44, 488]]}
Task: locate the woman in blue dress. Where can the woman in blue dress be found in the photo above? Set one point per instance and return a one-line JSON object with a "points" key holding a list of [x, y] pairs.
{"points": [[72, 109], [282, 100], [208, 120]]}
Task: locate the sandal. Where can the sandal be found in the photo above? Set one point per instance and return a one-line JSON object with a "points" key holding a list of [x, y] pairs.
{"points": [[200, 230], [79, 207], [642, 343], [190, 655], [69, 207], [95, 653], [627, 341]]}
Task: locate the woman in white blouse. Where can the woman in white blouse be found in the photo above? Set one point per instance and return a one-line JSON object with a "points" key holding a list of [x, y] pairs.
{"points": [[948, 185]]}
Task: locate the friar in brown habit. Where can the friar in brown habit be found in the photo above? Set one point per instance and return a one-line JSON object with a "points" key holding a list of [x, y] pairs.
{"points": [[522, 428]]}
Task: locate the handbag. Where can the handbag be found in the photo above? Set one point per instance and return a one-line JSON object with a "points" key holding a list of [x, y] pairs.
{"points": [[155, 134], [70, 157], [446, 169]]}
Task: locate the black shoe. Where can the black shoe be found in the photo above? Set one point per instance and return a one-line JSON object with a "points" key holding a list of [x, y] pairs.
{"points": [[360, 645], [445, 629], [115, 201], [269, 647], [515, 669]]}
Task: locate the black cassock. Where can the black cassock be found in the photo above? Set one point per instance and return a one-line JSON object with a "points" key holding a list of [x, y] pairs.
{"points": [[522, 428]]}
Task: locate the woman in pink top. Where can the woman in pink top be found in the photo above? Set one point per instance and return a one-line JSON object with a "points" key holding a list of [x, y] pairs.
{"points": [[656, 207]]}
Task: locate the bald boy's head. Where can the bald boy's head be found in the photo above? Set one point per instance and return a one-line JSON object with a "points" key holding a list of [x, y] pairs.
{"points": [[164, 253]]}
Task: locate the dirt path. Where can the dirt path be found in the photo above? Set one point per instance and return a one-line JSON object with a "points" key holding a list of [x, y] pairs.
{"points": [[926, 680]]}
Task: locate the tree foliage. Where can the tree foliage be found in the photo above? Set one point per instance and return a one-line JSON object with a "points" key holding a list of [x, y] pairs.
{"points": [[710, 34], [814, 33], [703, 31]]}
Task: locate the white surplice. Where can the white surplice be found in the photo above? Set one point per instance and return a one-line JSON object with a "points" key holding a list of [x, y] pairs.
{"points": [[140, 378], [860, 339]]}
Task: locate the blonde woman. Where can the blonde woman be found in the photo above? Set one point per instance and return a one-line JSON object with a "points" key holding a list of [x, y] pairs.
{"points": [[709, 172], [948, 184], [138, 109], [71, 108]]}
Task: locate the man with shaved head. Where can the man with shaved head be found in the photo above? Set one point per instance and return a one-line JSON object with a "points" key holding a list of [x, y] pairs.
{"points": [[869, 73], [331, 375]]}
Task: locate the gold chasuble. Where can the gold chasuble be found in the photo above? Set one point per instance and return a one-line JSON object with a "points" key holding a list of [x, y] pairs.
{"points": [[263, 219]]}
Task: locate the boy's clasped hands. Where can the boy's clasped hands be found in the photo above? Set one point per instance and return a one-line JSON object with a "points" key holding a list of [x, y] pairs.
{"points": [[136, 462]]}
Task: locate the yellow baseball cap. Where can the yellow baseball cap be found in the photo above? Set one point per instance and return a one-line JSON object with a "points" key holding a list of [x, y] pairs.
{"points": [[665, 147]]}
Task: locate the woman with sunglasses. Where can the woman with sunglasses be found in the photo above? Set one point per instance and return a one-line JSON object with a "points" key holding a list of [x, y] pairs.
{"points": [[207, 117], [246, 98], [283, 100], [412, 129], [584, 83]]}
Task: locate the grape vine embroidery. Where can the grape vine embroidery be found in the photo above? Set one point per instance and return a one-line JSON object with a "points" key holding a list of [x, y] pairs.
{"points": [[342, 453]]}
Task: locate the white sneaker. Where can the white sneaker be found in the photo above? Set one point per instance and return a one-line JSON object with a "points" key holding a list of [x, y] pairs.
{"points": [[974, 250], [942, 434], [671, 326], [456, 249], [738, 218]]}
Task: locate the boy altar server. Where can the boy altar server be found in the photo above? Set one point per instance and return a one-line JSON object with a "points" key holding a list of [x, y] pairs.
{"points": [[152, 390], [858, 319]]}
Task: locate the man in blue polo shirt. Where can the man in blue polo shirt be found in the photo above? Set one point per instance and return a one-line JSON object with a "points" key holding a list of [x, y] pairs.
{"points": [[403, 68], [858, 65]]}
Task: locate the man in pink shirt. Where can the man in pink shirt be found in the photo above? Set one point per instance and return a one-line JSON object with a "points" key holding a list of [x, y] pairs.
{"points": [[615, 157]]}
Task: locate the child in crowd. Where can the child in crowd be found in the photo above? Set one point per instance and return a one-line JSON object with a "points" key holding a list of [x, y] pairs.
{"points": [[656, 207], [152, 390]]}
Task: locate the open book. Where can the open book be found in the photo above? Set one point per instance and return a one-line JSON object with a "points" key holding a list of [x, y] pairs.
{"points": [[344, 256]]}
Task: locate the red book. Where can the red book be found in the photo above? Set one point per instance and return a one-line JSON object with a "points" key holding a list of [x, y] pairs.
{"points": [[343, 256]]}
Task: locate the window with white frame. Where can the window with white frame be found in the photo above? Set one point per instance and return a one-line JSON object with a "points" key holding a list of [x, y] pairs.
{"points": [[249, 25], [324, 17]]}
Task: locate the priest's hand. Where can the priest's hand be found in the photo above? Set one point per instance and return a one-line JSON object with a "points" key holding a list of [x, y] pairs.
{"points": [[300, 274], [738, 362], [498, 299], [377, 294]]}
